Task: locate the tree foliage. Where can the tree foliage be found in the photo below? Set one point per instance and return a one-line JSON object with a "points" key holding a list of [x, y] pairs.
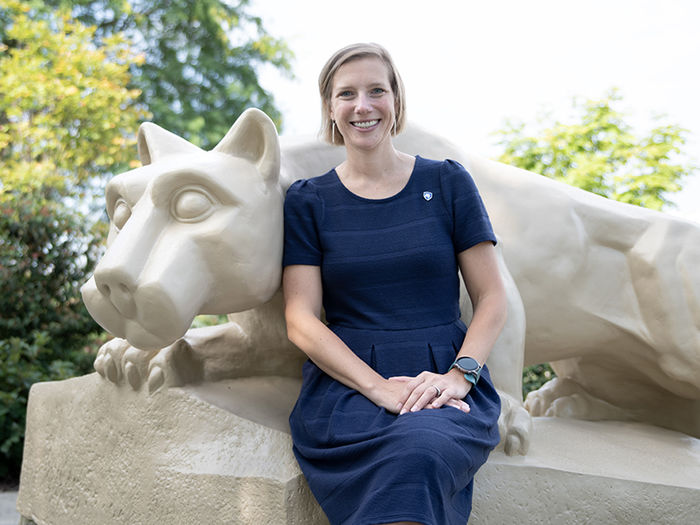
{"points": [[201, 59], [45, 331], [600, 152], [65, 115]]}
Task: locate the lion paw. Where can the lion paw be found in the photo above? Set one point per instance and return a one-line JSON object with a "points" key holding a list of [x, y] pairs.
{"points": [[117, 361], [541, 402], [108, 359], [175, 365], [563, 397], [514, 425]]}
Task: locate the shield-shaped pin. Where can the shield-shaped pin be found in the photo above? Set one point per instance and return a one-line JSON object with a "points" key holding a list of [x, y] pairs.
{"points": [[427, 195]]}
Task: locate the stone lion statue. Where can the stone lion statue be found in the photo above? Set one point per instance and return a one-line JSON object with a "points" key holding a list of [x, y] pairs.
{"points": [[607, 292]]}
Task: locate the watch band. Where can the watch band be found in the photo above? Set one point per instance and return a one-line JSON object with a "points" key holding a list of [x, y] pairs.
{"points": [[472, 373], [472, 378]]}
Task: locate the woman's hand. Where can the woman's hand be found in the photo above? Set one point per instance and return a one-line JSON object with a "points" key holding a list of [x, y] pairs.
{"points": [[422, 391], [391, 394]]}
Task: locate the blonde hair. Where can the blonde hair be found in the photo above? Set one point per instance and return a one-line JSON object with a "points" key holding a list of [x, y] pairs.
{"points": [[325, 86]]}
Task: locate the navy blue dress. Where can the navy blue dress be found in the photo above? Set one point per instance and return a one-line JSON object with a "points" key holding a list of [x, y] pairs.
{"points": [[391, 293]]}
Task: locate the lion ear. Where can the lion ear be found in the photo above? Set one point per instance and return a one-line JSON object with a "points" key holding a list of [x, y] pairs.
{"points": [[154, 143], [254, 137]]}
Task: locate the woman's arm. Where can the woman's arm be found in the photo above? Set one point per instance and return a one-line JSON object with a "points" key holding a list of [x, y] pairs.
{"points": [[479, 268], [303, 297], [482, 278]]}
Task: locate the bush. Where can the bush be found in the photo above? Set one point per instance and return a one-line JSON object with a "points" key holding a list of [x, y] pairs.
{"points": [[45, 331], [535, 376]]}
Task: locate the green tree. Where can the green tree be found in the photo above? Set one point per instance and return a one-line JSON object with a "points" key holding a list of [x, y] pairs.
{"points": [[65, 113], [201, 59], [65, 118], [601, 153], [45, 330]]}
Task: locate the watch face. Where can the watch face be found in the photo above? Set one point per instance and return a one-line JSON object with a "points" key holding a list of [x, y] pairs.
{"points": [[468, 364]]}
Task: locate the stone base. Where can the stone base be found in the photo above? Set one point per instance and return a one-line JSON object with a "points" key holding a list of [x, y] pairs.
{"points": [[101, 454], [580, 472], [221, 454]]}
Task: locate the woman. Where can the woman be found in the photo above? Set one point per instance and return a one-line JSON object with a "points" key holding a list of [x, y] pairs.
{"points": [[395, 414]]}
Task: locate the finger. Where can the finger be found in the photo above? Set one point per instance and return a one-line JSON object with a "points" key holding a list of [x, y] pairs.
{"points": [[400, 385], [424, 378], [414, 382], [440, 400], [429, 393], [459, 404], [411, 392], [412, 397], [400, 379]]}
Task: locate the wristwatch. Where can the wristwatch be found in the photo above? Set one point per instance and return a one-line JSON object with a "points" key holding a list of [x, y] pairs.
{"points": [[470, 367]]}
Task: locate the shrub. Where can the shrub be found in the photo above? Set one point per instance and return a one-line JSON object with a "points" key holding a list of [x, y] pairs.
{"points": [[45, 331], [535, 376]]}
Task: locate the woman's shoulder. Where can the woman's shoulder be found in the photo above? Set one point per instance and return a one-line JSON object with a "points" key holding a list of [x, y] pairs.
{"points": [[311, 187], [449, 171], [444, 165]]}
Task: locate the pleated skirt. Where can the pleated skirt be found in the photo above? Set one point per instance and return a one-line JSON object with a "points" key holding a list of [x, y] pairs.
{"points": [[366, 465]]}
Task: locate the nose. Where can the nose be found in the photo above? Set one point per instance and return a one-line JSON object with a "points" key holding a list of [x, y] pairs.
{"points": [[117, 274], [363, 103], [118, 287]]}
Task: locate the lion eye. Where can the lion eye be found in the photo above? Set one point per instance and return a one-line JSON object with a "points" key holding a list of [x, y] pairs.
{"points": [[192, 205], [121, 214]]}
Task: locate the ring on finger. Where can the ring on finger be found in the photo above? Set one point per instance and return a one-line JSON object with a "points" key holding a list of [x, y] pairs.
{"points": [[437, 389]]}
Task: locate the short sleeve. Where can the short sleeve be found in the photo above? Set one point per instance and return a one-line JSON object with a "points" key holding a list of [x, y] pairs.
{"points": [[302, 211], [470, 222]]}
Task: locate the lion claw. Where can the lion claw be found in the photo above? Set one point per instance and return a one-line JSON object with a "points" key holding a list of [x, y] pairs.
{"points": [[99, 364], [111, 370], [156, 379], [515, 425], [132, 375]]}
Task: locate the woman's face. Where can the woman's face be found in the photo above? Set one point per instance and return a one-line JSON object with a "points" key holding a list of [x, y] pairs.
{"points": [[362, 103]]}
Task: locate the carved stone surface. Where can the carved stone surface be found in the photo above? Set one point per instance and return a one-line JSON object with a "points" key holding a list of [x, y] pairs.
{"points": [[221, 453], [579, 472], [113, 455]]}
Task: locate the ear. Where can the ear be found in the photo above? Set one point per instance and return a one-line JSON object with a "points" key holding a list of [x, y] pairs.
{"points": [[154, 143], [254, 137]]}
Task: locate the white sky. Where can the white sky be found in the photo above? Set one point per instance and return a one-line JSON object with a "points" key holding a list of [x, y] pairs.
{"points": [[470, 65]]}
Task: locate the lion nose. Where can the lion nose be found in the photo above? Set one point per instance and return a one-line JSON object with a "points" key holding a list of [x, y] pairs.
{"points": [[118, 287]]}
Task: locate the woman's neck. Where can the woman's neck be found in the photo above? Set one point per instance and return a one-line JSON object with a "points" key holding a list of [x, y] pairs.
{"points": [[377, 173], [373, 164]]}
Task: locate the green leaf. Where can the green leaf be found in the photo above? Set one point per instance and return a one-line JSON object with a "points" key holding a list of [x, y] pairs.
{"points": [[599, 152]]}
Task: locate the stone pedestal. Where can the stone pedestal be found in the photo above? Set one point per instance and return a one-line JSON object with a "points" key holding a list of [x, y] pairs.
{"points": [[603, 472], [99, 454], [221, 454]]}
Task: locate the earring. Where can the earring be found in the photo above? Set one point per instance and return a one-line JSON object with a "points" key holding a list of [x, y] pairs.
{"points": [[333, 131], [393, 128]]}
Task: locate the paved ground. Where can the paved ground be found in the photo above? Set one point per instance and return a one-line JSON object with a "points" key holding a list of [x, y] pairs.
{"points": [[8, 512]]}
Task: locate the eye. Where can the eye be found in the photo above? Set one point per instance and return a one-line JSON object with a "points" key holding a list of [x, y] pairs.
{"points": [[345, 94], [192, 204], [121, 213], [378, 91]]}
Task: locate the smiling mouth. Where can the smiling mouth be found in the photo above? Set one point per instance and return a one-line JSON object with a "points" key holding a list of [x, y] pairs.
{"points": [[365, 123]]}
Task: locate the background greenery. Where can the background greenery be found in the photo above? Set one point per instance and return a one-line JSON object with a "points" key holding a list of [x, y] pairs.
{"points": [[76, 78]]}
